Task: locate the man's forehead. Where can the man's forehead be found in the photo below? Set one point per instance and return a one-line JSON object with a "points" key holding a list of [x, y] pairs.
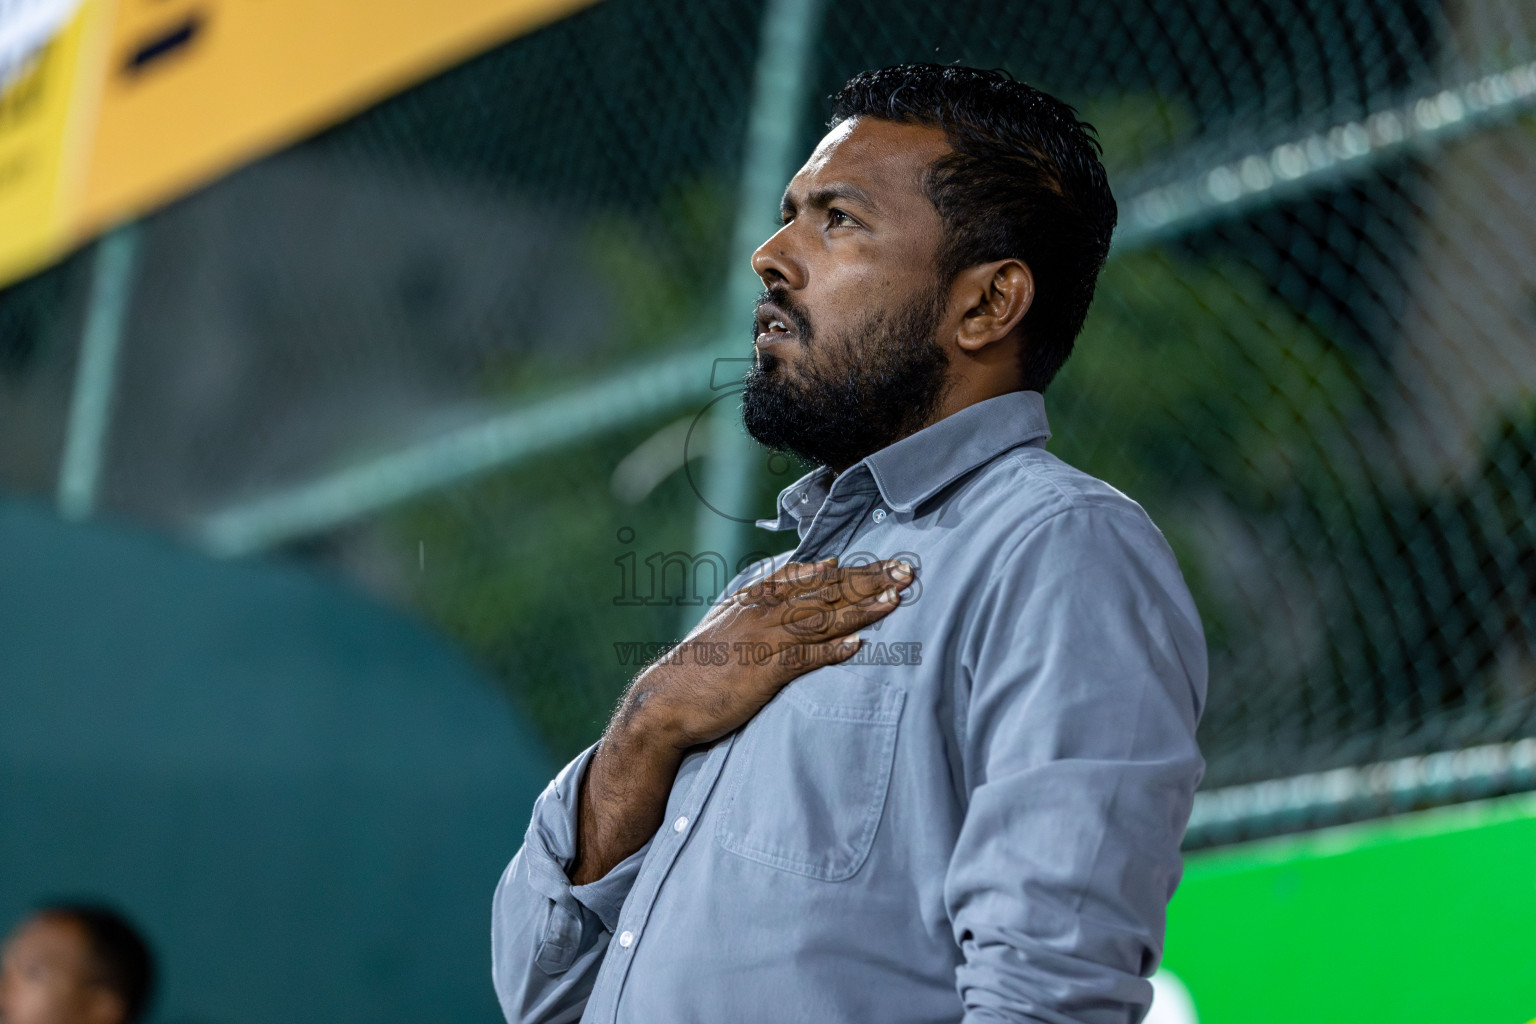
{"points": [[881, 157], [49, 936]]}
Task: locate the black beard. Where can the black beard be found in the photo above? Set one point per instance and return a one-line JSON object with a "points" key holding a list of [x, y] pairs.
{"points": [[863, 390]]}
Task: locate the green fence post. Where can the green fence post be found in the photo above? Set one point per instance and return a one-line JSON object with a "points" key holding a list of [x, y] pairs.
{"points": [[778, 102], [96, 372]]}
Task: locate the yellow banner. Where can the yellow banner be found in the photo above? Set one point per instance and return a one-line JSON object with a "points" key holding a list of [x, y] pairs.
{"points": [[40, 132], [136, 101]]}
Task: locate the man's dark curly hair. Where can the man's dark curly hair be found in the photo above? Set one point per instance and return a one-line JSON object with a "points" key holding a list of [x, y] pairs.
{"points": [[1023, 181]]}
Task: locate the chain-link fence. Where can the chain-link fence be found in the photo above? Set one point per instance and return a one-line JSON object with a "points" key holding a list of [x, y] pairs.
{"points": [[456, 348]]}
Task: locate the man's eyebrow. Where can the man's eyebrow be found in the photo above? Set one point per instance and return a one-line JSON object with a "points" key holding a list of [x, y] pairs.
{"points": [[826, 195]]}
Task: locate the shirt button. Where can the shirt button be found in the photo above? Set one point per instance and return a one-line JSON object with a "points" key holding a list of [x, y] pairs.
{"points": [[680, 824], [627, 939], [804, 497], [878, 515]]}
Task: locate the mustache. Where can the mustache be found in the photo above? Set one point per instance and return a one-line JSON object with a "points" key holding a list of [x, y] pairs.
{"points": [[792, 312]]}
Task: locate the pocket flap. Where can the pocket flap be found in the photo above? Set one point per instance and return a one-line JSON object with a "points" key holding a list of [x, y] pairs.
{"points": [[806, 782]]}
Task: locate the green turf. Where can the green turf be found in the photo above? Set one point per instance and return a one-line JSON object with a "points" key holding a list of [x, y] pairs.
{"points": [[1426, 918]]}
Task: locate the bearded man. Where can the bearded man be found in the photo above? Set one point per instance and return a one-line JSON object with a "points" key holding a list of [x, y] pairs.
{"points": [[989, 830]]}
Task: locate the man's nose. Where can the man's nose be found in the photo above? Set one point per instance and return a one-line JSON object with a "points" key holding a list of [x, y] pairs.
{"points": [[775, 264]]}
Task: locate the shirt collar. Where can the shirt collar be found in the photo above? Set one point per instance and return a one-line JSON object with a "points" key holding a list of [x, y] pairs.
{"points": [[918, 467]]}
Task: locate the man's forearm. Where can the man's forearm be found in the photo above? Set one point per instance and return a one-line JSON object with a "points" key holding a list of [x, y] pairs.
{"points": [[623, 797]]}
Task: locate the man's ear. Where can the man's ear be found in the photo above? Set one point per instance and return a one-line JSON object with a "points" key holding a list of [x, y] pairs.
{"points": [[995, 297]]}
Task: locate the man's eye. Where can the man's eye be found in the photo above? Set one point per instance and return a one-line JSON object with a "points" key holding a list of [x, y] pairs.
{"points": [[839, 219]]}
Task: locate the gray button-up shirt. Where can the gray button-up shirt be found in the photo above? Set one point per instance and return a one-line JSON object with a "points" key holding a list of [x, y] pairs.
{"points": [[977, 817]]}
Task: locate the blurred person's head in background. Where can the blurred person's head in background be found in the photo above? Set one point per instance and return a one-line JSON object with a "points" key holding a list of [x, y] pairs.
{"points": [[940, 247], [75, 964]]}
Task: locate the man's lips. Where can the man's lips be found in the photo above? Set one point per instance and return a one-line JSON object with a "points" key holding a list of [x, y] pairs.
{"points": [[772, 325]]}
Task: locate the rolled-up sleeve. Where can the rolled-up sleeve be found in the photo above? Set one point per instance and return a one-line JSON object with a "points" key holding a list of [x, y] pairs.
{"points": [[1086, 674], [548, 937]]}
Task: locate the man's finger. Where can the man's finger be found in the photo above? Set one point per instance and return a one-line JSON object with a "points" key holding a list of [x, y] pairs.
{"points": [[797, 573], [868, 580], [813, 576], [856, 616], [823, 581], [826, 594], [827, 652]]}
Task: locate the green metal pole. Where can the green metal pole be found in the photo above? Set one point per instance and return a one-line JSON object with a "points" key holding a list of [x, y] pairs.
{"points": [[464, 454], [95, 375], [784, 67]]}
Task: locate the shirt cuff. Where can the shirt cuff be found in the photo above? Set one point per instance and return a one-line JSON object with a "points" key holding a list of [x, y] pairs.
{"points": [[605, 897], [552, 841]]}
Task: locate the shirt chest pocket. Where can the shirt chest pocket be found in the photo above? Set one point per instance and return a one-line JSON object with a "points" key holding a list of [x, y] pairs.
{"points": [[805, 785]]}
